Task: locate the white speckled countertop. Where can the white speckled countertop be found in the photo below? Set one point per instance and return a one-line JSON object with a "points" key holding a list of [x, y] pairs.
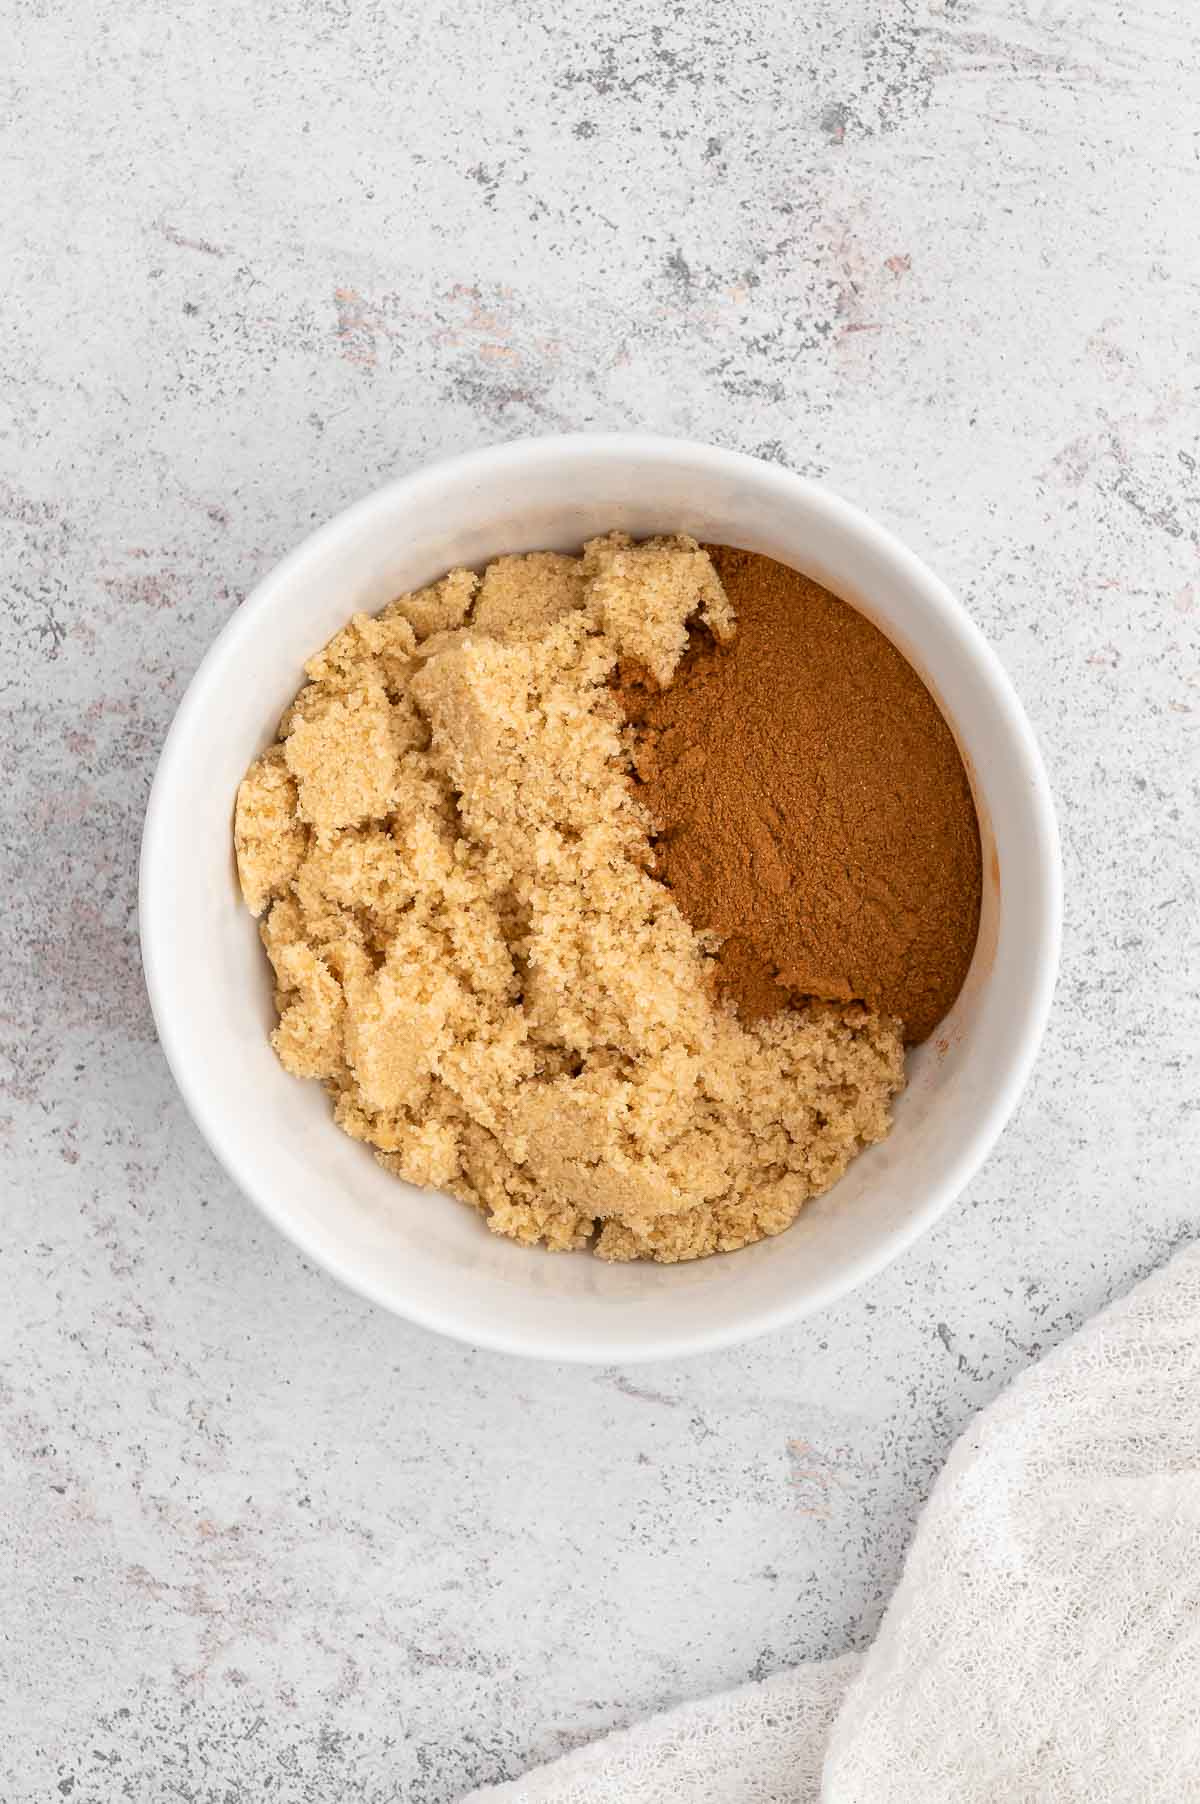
{"points": [[258, 1541]]}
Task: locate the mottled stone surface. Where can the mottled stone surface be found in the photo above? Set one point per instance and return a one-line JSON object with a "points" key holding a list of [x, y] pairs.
{"points": [[258, 1540]]}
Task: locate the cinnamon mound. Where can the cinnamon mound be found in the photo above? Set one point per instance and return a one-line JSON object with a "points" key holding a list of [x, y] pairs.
{"points": [[811, 805]]}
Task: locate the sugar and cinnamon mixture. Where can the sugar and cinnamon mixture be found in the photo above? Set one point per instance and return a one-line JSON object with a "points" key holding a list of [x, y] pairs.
{"points": [[456, 884]]}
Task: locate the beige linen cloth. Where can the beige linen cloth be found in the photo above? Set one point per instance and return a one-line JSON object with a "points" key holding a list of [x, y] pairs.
{"points": [[1043, 1644]]}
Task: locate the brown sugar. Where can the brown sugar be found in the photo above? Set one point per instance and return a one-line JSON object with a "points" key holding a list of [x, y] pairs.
{"points": [[811, 805], [473, 954]]}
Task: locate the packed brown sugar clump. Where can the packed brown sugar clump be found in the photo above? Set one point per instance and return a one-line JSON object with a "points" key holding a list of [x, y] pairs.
{"points": [[473, 953], [811, 806]]}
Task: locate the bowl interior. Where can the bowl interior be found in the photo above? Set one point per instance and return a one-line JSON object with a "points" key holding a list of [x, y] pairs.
{"points": [[427, 1256]]}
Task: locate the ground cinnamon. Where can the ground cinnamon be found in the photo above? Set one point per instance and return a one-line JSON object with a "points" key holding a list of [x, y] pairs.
{"points": [[811, 804]]}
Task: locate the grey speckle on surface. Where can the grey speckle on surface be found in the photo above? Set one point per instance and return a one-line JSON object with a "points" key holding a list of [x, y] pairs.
{"points": [[260, 1541]]}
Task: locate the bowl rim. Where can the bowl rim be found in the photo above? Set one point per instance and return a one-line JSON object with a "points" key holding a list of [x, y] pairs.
{"points": [[954, 620]]}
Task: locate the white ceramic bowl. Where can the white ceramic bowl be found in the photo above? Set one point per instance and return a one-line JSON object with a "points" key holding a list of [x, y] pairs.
{"points": [[426, 1256]]}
